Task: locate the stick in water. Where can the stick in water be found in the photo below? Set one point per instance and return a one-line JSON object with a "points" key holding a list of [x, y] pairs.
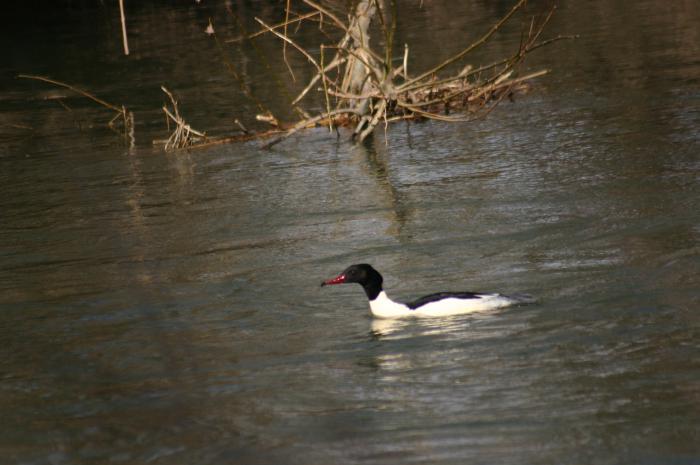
{"points": [[126, 43]]}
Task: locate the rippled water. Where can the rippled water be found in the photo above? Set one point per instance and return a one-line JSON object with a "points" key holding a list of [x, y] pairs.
{"points": [[167, 309]]}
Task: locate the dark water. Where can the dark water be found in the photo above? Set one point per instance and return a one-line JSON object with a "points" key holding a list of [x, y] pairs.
{"points": [[166, 309]]}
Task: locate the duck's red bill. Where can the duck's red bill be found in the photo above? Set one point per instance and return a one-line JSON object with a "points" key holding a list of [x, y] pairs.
{"points": [[340, 279]]}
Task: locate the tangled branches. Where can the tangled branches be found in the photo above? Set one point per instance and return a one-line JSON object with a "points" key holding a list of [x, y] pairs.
{"points": [[366, 89], [183, 135], [362, 87]]}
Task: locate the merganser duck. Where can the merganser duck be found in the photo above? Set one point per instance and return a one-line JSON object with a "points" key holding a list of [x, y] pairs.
{"points": [[433, 305]]}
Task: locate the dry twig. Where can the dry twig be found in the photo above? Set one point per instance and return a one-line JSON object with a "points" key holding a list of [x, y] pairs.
{"points": [[183, 135]]}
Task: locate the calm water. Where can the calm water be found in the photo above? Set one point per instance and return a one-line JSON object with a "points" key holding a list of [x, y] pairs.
{"points": [[166, 309]]}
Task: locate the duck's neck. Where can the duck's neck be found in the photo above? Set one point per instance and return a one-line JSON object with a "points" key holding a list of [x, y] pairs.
{"points": [[372, 289], [383, 307]]}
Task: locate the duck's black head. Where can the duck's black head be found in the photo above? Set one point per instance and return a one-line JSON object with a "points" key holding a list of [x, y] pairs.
{"points": [[362, 274]]}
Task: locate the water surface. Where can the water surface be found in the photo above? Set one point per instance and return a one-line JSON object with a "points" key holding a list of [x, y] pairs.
{"points": [[166, 308]]}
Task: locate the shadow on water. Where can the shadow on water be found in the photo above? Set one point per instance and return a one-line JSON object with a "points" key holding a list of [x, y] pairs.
{"points": [[376, 156]]}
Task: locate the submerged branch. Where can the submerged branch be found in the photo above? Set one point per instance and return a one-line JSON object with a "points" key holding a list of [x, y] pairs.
{"points": [[126, 116], [74, 89], [308, 123]]}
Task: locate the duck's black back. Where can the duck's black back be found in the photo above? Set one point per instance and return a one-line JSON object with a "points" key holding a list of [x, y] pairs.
{"points": [[440, 296]]}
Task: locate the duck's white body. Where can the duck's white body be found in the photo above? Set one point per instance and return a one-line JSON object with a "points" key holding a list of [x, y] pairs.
{"points": [[384, 307]]}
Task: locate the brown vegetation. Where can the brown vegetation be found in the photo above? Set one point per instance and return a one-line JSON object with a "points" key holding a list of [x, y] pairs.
{"points": [[361, 87]]}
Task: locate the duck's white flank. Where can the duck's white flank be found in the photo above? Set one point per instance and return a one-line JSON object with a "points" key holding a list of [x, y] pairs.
{"points": [[383, 307]]}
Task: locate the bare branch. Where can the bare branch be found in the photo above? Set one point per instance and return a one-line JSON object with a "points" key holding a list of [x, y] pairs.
{"points": [[379, 113], [333, 64], [470, 48], [74, 89], [291, 42], [284, 45], [325, 11], [276, 26]]}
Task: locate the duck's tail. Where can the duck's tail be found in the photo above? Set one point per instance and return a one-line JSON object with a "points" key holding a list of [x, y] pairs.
{"points": [[521, 298]]}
